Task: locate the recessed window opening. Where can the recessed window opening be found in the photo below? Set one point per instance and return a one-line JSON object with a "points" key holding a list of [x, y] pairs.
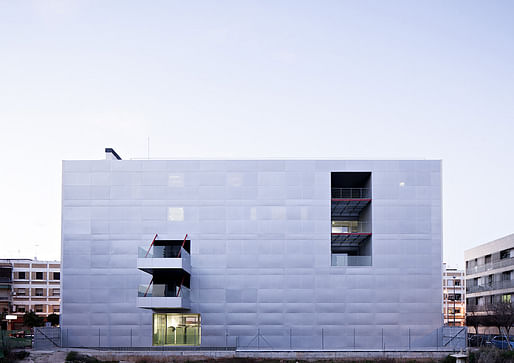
{"points": [[351, 218]]}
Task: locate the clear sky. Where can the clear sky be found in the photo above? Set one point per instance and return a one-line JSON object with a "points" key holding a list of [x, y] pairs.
{"points": [[336, 79]]}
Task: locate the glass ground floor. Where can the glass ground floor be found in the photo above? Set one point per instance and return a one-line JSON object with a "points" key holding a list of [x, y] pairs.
{"points": [[176, 329]]}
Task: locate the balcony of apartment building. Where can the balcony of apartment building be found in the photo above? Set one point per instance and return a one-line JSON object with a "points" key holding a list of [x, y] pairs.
{"points": [[5, 287], [489, 284], [169, 264], [163, 296], [5, 273], [491, 261], [164, 257], [350, 201]]}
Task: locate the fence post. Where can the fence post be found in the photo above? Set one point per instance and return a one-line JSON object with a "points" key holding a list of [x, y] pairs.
{"points": [[382, 338], [437, 338], [258, 338], [353, 338], [322, 340]]}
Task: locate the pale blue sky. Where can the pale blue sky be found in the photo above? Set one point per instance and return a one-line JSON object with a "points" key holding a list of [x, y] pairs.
{"points": [[338, 79]]}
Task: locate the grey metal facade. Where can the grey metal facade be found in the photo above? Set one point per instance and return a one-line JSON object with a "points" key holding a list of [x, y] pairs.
{"points": [[260, 233]]}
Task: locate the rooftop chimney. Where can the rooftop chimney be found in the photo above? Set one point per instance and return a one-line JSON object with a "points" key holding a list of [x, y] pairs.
{"points": [[110, 154]]}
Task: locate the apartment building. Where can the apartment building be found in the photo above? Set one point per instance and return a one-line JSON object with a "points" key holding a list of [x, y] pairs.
{"points": [[454, 296], [490, 273], [290, 254], [35, 286]]}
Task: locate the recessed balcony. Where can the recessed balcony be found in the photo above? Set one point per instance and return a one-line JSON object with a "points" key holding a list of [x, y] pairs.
{"points": [[349, 202], [350, 232], [162, 258]]}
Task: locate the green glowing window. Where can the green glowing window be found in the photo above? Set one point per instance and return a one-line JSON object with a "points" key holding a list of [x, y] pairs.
{"points": [[176, 329]]}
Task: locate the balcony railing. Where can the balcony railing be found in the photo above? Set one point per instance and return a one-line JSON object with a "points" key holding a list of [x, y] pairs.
{"points": [[345, 260], [490, 266], [342, 227], [161, 290], [498, 285], [351, 193], [161, 252], [159, 297]]}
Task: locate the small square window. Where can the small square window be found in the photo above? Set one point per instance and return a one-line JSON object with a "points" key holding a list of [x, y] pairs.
{"points": [[57, 275], [21, 275], [38, 308], [176, 180], [39, 276], [56, 292], [20, 309], [175, 214], [39, 292]]}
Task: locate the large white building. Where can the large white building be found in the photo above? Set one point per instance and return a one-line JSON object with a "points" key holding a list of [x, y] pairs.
{"points": [[300, 254]]}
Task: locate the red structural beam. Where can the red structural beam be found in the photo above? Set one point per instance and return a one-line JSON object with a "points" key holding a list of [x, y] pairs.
{"points": [[351, 200], [183, 243], [151, 244], [180, 287], [148, 288], [346, 234]]}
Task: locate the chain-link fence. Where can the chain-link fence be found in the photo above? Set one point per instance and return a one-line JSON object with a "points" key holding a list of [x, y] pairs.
{"points": [[445, 338], [47, 338]]}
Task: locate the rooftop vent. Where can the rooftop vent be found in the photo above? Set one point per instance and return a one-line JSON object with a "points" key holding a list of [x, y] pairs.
{"points": [[110, 154]]}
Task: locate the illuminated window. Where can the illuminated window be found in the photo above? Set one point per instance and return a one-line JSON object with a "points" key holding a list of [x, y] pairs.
{"points": [[176, 329], [175, 214], [506, 298]]}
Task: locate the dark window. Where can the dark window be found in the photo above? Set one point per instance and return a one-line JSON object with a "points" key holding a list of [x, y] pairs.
{"points": [[39, 276], [57, 275], [457, 282], [505, 254], [488, 259], [20, 309], [38, 308], [505, 275], [39, 292], [21, 275]]}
